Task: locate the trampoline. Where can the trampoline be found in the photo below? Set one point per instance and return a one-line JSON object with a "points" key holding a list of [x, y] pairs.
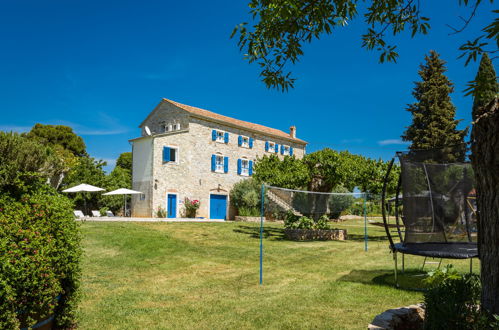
{"points": [[435, 215]]}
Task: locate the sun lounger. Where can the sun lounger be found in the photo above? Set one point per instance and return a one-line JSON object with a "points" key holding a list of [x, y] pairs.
{"points": [[96, 213], [79, 214], [109, 214]]}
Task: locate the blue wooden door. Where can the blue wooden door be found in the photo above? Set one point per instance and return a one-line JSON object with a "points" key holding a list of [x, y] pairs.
{"points": [[172, 206], [218, 206]]}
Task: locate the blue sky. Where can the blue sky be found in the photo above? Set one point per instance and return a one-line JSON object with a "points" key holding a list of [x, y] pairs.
{"points": [[102, 66]]}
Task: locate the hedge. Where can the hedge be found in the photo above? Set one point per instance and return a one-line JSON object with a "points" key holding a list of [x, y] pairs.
{"points": [[40, 256]]}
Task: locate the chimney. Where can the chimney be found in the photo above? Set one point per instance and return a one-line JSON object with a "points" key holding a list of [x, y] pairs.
{"points": [[292, 132]]}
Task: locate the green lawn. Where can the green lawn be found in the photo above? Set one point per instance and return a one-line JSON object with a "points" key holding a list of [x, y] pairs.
{"points": [[205, 276]]}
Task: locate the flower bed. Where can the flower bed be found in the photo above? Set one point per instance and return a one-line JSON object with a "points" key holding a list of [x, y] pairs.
{"points": [[315, 234]]}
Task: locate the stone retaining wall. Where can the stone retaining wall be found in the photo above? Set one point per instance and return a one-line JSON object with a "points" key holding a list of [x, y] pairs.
{"points": [[315, 234]]}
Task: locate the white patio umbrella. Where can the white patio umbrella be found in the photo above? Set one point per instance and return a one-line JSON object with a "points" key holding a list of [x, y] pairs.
{"points": [[124, 192], [83, 188]]}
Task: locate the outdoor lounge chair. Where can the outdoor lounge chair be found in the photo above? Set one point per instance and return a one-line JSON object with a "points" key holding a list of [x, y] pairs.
{"points": [[79, 214], [95, 213], [109, 214]]}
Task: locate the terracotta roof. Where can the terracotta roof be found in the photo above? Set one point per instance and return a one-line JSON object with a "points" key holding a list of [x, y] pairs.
{"points": [[244, 124]]}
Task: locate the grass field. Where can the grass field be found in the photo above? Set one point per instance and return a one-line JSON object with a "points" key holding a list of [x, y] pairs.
{"points": [[205, 276]]}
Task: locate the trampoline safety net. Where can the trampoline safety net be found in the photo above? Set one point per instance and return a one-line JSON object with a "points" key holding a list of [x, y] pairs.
{"points": [[438, 204]]}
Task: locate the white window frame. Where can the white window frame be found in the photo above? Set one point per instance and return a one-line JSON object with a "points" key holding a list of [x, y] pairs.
{"points": [[271, 146], [245, 143], [245, 169], [287, 150], [219, 166], [177, 154], [220, 136]]}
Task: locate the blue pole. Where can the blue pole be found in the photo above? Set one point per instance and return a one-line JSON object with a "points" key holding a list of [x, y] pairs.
{"points": [[365, 222], [262, 202]]}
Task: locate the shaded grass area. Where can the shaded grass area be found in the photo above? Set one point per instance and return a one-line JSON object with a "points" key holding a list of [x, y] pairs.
{"points": [[205, 276]]}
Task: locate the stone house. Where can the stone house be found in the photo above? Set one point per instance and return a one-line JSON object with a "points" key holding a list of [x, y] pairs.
{"points": [[189, 152]]}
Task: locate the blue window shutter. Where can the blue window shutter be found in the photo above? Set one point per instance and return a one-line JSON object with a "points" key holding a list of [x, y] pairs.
{"points": [[239, 166], [213, 162], [250, 167], [214, 135], [226, 137], [251, 143], [226, 164], [282, 149], [291, 151], [240, 140], [166, 154], [266, 145], [276, 148]]}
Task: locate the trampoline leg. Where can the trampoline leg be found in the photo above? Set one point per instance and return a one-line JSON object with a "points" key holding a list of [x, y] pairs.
{"points": [[424, 262], [395, 260], [471, 265], [439, 263], [403, 263]]}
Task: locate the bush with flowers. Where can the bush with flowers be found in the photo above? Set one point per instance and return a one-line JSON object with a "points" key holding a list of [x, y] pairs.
{"points": [[191, 207], [39, 258]]}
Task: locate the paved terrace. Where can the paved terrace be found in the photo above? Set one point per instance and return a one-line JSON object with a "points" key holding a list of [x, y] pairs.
{"points": [[129, 219]]}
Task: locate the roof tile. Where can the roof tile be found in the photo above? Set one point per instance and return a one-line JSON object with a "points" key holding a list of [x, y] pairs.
{"points": [[244, 124]]}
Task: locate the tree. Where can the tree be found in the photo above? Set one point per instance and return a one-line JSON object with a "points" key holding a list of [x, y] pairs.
{"points": [[24, 161], [433, 124], [88, 170], [289, 173], [485, 161], [67, 147], [118, 178], [125, 161], [284, 26], [59, 135]]}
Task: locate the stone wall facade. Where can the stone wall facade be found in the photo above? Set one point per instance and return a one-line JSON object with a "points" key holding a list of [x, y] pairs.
{"points": [[191, 174]]}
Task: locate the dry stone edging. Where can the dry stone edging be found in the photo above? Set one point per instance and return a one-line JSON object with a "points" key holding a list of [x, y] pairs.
{"points": [[409, 317]]}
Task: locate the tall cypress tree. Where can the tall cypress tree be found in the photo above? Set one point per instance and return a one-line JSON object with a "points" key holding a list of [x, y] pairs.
{"points": [[485, 86], [485, 161], [434, 126]]}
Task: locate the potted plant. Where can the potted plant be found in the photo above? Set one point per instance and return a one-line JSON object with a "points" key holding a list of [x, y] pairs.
{"points": [[191, 206]]}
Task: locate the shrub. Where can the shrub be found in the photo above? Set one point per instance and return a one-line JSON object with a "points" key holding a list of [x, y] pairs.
{"points": [[292, 221], [246, 195], [39, 259], [339, 203], [452, 302], [161, 212], [249, 211]]}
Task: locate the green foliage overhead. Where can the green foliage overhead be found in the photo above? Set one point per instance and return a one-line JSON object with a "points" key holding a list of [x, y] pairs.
{"points": [[39, 259], [289, 173], [283, 27], [433, 115], [59, 135], [125, 161]]}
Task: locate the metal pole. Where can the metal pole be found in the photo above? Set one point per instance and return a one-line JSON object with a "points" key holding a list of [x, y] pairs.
{"points": [[262, 202], [365, 223]]}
